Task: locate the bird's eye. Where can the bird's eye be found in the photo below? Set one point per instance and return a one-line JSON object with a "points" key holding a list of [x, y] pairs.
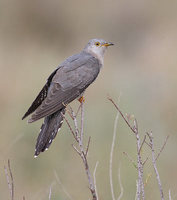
{"points": [[97, 44]]}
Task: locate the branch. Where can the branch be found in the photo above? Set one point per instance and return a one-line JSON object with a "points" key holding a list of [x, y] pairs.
{"points": [[121, 187], [134, 129], [94, 178], [10, 181], [79, 136], [154, 165], [111, 156], [162, 148]]}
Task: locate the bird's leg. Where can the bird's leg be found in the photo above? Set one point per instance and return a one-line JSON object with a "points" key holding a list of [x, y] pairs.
{"points": [[81, 99]]}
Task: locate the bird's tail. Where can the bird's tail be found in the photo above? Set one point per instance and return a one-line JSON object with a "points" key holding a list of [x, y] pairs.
{"points": [[48, 131]]}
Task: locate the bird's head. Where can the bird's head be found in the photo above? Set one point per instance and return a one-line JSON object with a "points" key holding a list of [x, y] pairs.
{"points": [[97, 47]]}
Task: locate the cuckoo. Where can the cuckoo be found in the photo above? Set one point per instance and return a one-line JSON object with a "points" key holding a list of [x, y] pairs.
{"points": [[67, 83]]}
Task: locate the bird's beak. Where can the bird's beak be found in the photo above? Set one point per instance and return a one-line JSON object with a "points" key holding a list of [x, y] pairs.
{"points": [[107, 44]]}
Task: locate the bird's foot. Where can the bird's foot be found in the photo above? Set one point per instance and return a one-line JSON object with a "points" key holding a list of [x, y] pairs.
{"points": [[81, 99]]}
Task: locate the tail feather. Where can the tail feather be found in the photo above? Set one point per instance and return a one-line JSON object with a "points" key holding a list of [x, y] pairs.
{"points": [[48, 131]]}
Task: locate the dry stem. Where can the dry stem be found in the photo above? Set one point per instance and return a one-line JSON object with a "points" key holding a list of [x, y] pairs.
{"points": [[79, 136], [10, 181], [154, 164], [134, 129]]}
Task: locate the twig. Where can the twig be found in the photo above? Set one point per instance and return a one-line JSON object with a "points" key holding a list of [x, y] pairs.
{"points": [[75, 148], [10, 181], [62, 187], [130, 159], [134, 129], [169, 194], [70, 128], [121, 187], [145, 161], [88, 144], [94, 178], [78, 136], [154, 165], [142, 143], [82, 122], [136, 190], [110, 99], [140, 166], [50, 192], [111, 157], [162, 148]]}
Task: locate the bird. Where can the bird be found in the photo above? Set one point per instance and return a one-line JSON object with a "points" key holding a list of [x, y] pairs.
{"points": [[66, 83]]}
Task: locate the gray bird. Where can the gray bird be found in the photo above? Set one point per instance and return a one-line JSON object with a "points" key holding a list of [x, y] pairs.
{"points": [[66, 83]]}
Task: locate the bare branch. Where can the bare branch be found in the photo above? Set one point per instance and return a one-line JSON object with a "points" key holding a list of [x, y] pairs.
{"points": [[162, 148], [154, 165], [111, 157], [75, 148], [142, 144], [79, 139], [110, 99], [134, 129], [50, 192], [94, 178], [137, 189], [82, 122], [10, 180], [75, 137], [88, 144], [169, 194], [121, 187], [145, 161], [130, 159]]}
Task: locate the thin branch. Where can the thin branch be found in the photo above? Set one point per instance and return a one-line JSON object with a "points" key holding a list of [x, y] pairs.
{"points": [[145, 161], [88, 144], [136, 190], [121, 187], [10, 181], [162, 148], [134, 129], [110, 99], [82, 122], [130, 159], [50, 192], [75, 137], [142, 144], [94, 178], [80, 150], [75, 148], [111, 157], [169, 194], [62, 186], [154, 165]]}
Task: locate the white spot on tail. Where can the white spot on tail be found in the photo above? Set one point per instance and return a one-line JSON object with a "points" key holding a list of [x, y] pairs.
{"points": [[35, 156]]}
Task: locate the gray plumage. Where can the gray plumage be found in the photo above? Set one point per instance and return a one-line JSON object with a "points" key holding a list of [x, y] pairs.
{"points": [[64, 85]]}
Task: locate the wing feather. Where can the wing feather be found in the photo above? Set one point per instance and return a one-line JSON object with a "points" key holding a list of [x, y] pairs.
{"points": [[68, 83]]}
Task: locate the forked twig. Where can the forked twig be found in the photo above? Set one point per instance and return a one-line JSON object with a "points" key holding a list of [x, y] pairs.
{"points": [[79, 136], [134, 129]]}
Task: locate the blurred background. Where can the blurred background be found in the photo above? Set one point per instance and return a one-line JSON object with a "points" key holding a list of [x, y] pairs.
{"points": [[35, 37]]}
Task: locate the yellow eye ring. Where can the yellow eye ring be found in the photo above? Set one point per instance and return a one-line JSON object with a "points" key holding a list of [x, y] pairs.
{"points": [[97, 44]]}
